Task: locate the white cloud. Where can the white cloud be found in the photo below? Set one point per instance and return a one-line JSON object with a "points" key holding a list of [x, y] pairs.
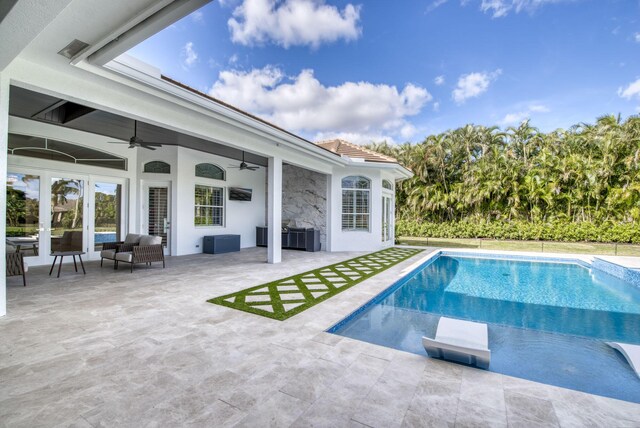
{"points": [[498, 8], [439, 80], [435, 4], [436, 106], [517, 117], [293, 23], [197, 16], [501, 8], [233, 59], [636, 37], [408, 131], [632, 90], [189, 55], [303, 104], [473, 84]]}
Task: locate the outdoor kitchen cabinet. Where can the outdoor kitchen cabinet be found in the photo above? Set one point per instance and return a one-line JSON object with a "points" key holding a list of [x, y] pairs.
{"points": [[306, 239]]}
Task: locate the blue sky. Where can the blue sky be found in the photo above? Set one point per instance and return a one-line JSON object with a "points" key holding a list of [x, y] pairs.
{"points": [[399, 71]]}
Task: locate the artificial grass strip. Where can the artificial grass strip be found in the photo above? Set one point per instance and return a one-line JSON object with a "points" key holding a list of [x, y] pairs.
{"points": [[289, 296]]}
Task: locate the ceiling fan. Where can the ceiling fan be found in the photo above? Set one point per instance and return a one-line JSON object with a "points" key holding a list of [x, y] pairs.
{"points": [[243, 165], [136, 141]]}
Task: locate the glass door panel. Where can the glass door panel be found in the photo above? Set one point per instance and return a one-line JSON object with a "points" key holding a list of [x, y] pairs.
{"points": [[23, 213], [158, 221], [107, 214], [67, 209], [386, 218]]}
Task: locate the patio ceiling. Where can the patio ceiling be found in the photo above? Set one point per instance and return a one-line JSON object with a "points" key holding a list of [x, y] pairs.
{"points": [[32, 105]]}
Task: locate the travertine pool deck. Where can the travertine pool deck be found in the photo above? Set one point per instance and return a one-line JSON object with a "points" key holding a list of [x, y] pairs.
{"points": [[145, 349]]}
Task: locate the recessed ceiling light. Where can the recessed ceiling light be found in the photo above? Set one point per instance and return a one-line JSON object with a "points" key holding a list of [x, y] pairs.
{"points": [[73, 49]]}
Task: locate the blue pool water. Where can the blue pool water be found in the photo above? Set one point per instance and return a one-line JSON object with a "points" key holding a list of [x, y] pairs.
{"points": [[547, 321], [101, 237]]}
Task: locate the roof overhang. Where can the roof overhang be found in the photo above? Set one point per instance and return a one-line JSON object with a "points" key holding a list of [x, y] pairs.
{"points": [[400, 172], [123, 24], [158, 16]]}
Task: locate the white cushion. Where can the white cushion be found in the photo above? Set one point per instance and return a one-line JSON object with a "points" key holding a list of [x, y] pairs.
{"points": [[132, 238], [462, 341], [26, 266], [150, 240], [124, 257], [108, 254]]}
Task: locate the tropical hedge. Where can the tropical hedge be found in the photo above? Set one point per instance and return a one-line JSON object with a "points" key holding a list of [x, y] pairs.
{"points": [[523, 230], [579, 184]]}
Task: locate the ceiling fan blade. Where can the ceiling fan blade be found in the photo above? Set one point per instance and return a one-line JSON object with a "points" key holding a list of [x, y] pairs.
{"points": [[147, 146], [117, 142]]}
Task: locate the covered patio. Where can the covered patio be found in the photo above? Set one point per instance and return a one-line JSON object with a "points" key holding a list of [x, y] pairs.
{"points": [[116, 349]]}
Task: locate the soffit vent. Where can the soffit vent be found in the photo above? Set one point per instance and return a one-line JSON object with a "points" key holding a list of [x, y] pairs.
{"points": [[73, 49], [63, 112]]}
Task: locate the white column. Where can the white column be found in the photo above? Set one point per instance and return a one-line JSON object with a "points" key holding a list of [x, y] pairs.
{"points": [[329, 221], [4, 135], [274, 210]]}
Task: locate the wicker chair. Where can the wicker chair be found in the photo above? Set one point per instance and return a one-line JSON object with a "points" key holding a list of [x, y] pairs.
{"points": [[149, 250], [17, 266], [109, 249]]}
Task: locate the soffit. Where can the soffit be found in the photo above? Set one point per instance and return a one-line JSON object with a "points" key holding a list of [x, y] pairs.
{"points": [[27, 104], [90, 21]]}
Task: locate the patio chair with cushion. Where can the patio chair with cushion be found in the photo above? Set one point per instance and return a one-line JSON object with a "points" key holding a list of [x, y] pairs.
{"points": [[109, 249], [71, 240], [16, 265], [148, 250]]}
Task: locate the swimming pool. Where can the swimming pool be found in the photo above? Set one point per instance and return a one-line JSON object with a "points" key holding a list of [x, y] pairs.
{"points": [[548, 319]]}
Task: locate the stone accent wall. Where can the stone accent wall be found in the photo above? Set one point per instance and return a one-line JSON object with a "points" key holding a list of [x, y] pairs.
{"points": [[304, 199]]}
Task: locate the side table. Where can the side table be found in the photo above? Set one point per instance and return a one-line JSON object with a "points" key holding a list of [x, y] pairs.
{"points": [[61, 254]]}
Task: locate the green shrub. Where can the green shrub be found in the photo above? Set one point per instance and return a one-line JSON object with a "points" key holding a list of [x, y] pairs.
{"points": [[562, 231]]}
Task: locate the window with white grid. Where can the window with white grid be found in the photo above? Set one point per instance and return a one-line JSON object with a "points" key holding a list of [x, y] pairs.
{"points": [[209, 206], [356, 207]]}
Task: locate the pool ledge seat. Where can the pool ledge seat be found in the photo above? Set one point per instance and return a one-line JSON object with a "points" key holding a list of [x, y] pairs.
{"points": [[461, 341], [630, 352]]}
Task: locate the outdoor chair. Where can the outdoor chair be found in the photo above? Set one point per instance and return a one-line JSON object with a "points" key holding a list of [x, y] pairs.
{"points": [[148, 250], [71, 240], [109, 249], [17, 266]]}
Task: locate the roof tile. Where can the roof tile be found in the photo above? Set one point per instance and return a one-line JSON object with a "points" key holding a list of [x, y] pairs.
{"points": [[342, 147]]}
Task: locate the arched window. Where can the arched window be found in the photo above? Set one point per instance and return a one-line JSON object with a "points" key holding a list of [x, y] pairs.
{"points": [[209, 170], [44, 148], [356, 206], [387, 184], [157, 167]]}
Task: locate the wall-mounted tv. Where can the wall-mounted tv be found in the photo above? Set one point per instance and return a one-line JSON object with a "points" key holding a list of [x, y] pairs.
{"points": [[239, 194]]}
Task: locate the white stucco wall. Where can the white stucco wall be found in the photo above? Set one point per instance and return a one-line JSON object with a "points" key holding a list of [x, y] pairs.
{"points": [[357, 240], [241, 217]]}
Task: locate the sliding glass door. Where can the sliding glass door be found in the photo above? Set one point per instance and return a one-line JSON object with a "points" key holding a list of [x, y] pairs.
{"points": [[67, 214], [107, 217], [48, 211]]}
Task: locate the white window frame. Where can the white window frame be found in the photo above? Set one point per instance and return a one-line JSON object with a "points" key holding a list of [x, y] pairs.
{"points": [[212, 206], [354, 212]]}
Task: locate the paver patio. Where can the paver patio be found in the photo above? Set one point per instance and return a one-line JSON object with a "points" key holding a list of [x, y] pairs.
{"points": [[146, 349]]}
